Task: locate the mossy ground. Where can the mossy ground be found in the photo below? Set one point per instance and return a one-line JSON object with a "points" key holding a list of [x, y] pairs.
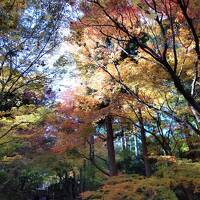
{"points": [[179, 181]]}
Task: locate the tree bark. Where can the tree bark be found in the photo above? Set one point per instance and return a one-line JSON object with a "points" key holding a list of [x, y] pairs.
{"points": [[136, 146], [91, 147], [123, 140], [92, 155], [110, 147], [82, 176], [144, 146], [145, 152]]}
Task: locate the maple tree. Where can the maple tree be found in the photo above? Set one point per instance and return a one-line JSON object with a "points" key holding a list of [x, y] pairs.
{"points": [[131, 121], [144, 40]]}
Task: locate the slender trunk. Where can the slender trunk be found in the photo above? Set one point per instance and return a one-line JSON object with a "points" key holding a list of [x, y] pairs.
{"points": [[125, 148], [127, 143], [144, 146], [136, 146], [145, 152], [110, 147], [91, 146], [92, 156], [123, 141], [82, 176]]}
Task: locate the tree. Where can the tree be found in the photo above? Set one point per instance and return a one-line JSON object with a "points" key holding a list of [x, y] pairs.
{"points": [[110, 147], [150, 21], [30, 31]]}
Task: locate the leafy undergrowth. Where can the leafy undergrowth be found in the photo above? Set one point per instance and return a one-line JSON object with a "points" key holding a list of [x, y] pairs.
{"points": [[179, 181]]}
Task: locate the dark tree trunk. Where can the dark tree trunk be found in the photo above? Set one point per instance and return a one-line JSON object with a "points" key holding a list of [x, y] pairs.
{"points": [[110, 147], [145, 152], [91, 146], [136, 146], [144, 146], [123, 140], [82, 177], [92, 156], [127, 139]]}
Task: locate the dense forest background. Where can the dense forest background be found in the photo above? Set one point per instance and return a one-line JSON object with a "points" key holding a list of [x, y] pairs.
{"points": [[99, 99]]}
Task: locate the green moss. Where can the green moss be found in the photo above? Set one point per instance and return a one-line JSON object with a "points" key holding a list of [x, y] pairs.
{"points": [[166, 184]]}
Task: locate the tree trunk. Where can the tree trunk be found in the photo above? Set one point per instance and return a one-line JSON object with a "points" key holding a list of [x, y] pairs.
{"points": [[145, 152], [144, 146], [91, 146], [123, 140], [127, 139], [92, 156], [136, 146], [110, 147], [82, 176]]}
